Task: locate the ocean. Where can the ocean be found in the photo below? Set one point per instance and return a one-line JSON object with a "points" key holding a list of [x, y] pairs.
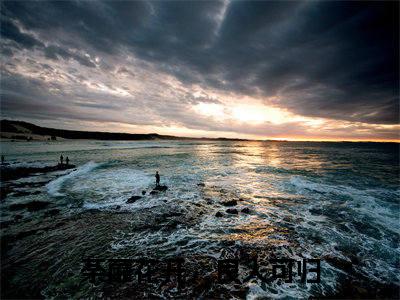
{"points": [[337, 202]]}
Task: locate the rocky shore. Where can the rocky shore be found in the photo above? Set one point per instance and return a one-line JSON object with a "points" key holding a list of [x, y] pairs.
{"points": [[12, 173], [50, 261]]}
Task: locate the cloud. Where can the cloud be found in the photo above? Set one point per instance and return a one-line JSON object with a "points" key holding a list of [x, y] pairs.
{"points": [[332, 60]]}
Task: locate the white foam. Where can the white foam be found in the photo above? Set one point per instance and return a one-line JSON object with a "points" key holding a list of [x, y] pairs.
{"points": [[364, 201], [54, 186]]}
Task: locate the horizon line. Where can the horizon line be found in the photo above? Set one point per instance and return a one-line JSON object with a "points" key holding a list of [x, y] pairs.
{"points": [[225, 138]]}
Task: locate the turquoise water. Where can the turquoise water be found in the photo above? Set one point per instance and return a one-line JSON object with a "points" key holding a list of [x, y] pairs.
{"points": [[336, 199]]}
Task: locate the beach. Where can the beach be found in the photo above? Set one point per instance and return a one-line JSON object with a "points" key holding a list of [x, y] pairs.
{"points": [[336, 202]]}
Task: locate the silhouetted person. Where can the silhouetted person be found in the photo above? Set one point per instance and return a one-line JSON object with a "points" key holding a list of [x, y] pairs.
{"points": [[157, 179], [67, 160], [61, 159], [2, 159]]}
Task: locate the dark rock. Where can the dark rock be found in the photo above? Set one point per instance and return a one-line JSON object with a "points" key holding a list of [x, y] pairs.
{"points": [[25, 193], [209, 201], [17, 217], [219, 214], [118, 207], [362, 289], [176, 214], [143, 193], [316, 211], [201, 184], [5, 224], [17, 206], [8, 173], [31, 184], [245, 210], [30, 206], [153, 192], [232, 211], [339, 263], [4, 191], [24, 234], [161, 188], [36, 205], [52, 212], [133, 199], [229, 203]]}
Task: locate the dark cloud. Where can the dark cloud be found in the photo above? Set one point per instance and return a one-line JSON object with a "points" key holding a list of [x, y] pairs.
{"points": [[337, 60], [10, 31], [56, 52]]}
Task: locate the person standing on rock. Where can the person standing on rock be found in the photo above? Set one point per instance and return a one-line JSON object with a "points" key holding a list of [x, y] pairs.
{"points": [[157, 179], [61, 159], [67, 161]]}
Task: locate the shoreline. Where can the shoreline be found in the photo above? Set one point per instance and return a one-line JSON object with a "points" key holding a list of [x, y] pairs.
{"points": [[27, 131]]}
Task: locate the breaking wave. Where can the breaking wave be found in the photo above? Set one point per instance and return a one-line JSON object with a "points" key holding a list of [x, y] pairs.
{"points": [[54, 186]]}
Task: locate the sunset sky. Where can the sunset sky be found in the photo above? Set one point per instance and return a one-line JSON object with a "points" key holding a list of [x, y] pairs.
{"points": [[265, 70]]}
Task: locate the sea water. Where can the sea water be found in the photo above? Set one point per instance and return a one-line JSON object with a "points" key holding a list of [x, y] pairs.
{"points": [[317, 199]]}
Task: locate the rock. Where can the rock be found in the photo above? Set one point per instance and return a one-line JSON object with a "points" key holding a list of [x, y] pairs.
{"points": [[232, 211], [5, 224], [133, 199], [25, 193], [219, 214], [31, 206], [17, 206], [245, 210], [143, 193], [339, 263], [201, 184], [17, 217], [153, 192], [52, 212], [229, 203], [176, 214], [8, 173], [4, 191], [118, 207], [36, 205], [161, 188], [30, 184], [209, 201]]}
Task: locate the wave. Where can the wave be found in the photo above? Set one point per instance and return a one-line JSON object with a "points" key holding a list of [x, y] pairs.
{"points": [[54, 186], [277, 170], [368, 202], [323, 188]]}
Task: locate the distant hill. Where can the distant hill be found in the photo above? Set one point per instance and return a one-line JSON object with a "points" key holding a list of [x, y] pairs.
{"points": [[25, 130]]}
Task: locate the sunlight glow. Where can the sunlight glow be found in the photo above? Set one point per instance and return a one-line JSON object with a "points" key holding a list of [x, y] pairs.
{"points": [[256, 114], [250, 114], [210, 110]]}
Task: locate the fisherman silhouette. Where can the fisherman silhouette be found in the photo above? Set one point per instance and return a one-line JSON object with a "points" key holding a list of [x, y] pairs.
{"points": [[61, 159], [157, 179], [67, 160], [2, 159]]}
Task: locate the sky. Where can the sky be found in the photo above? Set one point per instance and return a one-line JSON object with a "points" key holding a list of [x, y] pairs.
{"points": [[301, 70]]}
